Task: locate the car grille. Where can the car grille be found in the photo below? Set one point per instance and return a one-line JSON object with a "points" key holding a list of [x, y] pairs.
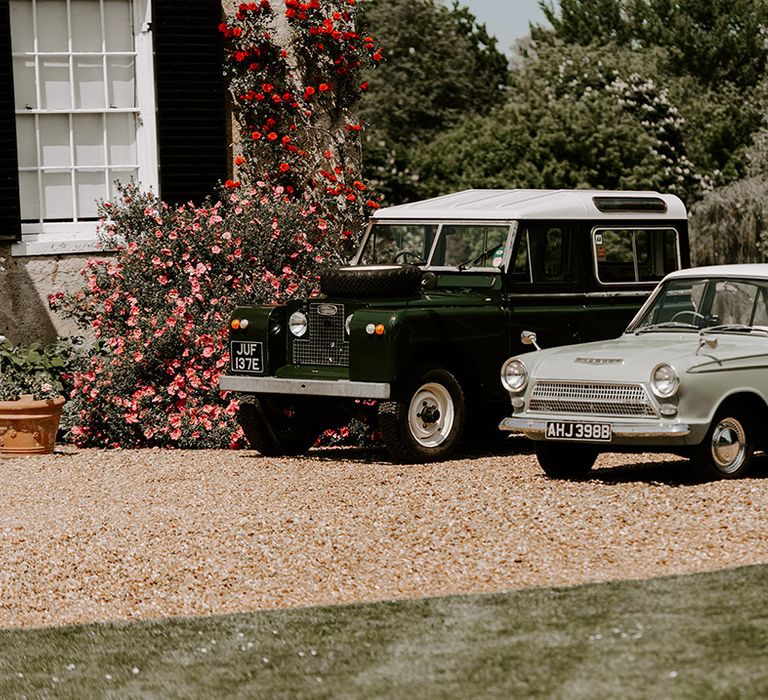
{"points": [[602, 399], [326, 342]]}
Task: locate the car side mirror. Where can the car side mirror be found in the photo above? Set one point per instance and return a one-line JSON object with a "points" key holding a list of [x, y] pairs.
{"points": [[529, 338]]}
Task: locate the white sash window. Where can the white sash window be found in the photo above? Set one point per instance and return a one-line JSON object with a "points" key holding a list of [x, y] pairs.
{"points": [[84, 104]]}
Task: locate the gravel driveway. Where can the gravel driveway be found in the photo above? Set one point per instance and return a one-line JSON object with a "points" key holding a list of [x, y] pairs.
{"points": [[93, 535]]}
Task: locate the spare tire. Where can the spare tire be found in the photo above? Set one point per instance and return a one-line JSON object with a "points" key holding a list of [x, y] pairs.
{"points": [[371, 281]]}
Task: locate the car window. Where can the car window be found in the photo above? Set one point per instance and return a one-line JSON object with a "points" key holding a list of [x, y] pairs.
{"points": [[704, 303], [390, 244], [733, 302], [463, 245], [548, 255], [634, 254]]}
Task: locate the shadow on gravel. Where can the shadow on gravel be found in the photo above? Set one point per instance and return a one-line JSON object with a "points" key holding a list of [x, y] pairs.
{"points": [[675, 472], [510, 445]]}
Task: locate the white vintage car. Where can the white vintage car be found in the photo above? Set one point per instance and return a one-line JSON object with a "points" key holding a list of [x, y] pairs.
{"points": [[689, 375]]}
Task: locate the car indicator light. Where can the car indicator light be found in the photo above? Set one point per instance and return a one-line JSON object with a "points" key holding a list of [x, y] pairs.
{"points": [[379, 329], [235, 323]]}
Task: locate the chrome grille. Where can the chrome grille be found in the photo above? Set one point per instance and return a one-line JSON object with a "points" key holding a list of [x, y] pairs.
{"points": [[326, 342], [602, 399]]}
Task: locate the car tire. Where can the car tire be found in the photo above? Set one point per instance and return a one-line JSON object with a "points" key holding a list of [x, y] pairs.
{"points": [[371, 281], [427, 425], [275, 429], [727, 450], [565, 460]]}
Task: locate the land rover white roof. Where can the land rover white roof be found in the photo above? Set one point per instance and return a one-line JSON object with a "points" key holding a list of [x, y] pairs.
{"points": [[503, 205]]}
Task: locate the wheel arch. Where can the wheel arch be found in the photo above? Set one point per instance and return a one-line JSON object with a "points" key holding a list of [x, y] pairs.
{"points": [[744, 400]]}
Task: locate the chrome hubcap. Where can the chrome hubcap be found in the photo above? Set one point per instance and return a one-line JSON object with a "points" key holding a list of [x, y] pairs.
{"points": [[431, 415], [729, 445]]}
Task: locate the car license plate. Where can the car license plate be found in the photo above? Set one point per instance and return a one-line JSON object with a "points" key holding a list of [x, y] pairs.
{"points": [[567, 430], [246, 356]]}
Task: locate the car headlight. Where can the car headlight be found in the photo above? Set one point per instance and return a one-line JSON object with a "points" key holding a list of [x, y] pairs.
{"points": [[514, 375], [347, 323], [664, 381], [297, 323]]}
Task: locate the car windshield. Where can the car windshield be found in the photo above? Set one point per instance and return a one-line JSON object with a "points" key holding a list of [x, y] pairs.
{"points": [[714, 305], [458, 245]]}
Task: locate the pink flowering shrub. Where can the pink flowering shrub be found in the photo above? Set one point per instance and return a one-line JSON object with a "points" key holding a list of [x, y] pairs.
{"points": [[160, 307]]}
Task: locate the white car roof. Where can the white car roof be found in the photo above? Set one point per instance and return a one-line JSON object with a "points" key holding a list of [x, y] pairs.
{"points": [[503, 205], [745, 270]]}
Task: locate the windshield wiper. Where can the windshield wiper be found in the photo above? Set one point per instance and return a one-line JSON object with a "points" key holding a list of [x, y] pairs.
{"points": [[472, 261], [666, 324], [735, 327]]}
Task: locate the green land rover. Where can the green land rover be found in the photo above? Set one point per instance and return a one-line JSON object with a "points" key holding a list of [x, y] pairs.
{"points": [[410, 337]]}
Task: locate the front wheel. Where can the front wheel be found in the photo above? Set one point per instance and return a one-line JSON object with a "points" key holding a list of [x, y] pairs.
{"points": [[275, 428], [727, 450], [565, 460], [427, 425]]}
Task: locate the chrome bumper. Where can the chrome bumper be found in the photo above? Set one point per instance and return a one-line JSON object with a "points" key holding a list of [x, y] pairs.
{"points": [[310, 387], [536, 427]]}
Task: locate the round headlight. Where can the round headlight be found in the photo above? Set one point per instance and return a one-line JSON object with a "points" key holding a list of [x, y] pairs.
{"points": [[347, 321], [514, 375], [297, 324], [664, 381]]}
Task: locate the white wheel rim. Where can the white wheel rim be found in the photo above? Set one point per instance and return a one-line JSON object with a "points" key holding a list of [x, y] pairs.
{"points": [[729, 445], [431, 415]]}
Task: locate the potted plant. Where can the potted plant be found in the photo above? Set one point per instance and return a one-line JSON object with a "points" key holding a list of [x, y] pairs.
{"points": [[30, 398]]}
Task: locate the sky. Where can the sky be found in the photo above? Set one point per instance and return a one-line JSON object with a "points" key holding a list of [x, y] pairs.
{"points": [[507, 20]]}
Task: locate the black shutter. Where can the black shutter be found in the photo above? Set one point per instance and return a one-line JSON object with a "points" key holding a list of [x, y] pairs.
{"points": [[10, 213], [191, 121]]}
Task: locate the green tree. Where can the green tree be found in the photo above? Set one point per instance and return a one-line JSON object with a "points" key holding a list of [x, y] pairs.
{"points": [[440, 65], [715, 54], [577, 117], [714, 40], [730, 224]]}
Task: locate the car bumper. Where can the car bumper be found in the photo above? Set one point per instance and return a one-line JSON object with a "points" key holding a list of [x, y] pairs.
{"points": [[309, 387], [623, 433]]}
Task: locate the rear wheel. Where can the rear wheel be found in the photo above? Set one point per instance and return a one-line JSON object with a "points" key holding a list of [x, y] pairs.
{"points": [[275, 428], [428, 423], [565, 460], [727, 450]]}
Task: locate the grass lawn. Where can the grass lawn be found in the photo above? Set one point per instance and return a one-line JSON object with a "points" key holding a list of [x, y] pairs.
{"points": [[685, 637]]}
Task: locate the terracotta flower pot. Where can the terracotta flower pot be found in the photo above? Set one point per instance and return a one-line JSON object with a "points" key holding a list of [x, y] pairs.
{"points": [[28, 427]]}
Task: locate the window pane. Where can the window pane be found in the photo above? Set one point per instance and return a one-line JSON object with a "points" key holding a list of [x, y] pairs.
{"points": [[52, 33], [24, 83], [89, 83], [54, 140], [30, 204], [54, 79], [121, 81], [123, 177], [57, 196], [615, 259], [26, 142], [89, 139], [119, 25], [472, 246], [395, 244], [86, 25], [121, 137], [89, 186], [22, 35]]}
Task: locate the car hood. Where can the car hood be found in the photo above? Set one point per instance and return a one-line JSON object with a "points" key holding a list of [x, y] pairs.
{"points": [[633, 357]]}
